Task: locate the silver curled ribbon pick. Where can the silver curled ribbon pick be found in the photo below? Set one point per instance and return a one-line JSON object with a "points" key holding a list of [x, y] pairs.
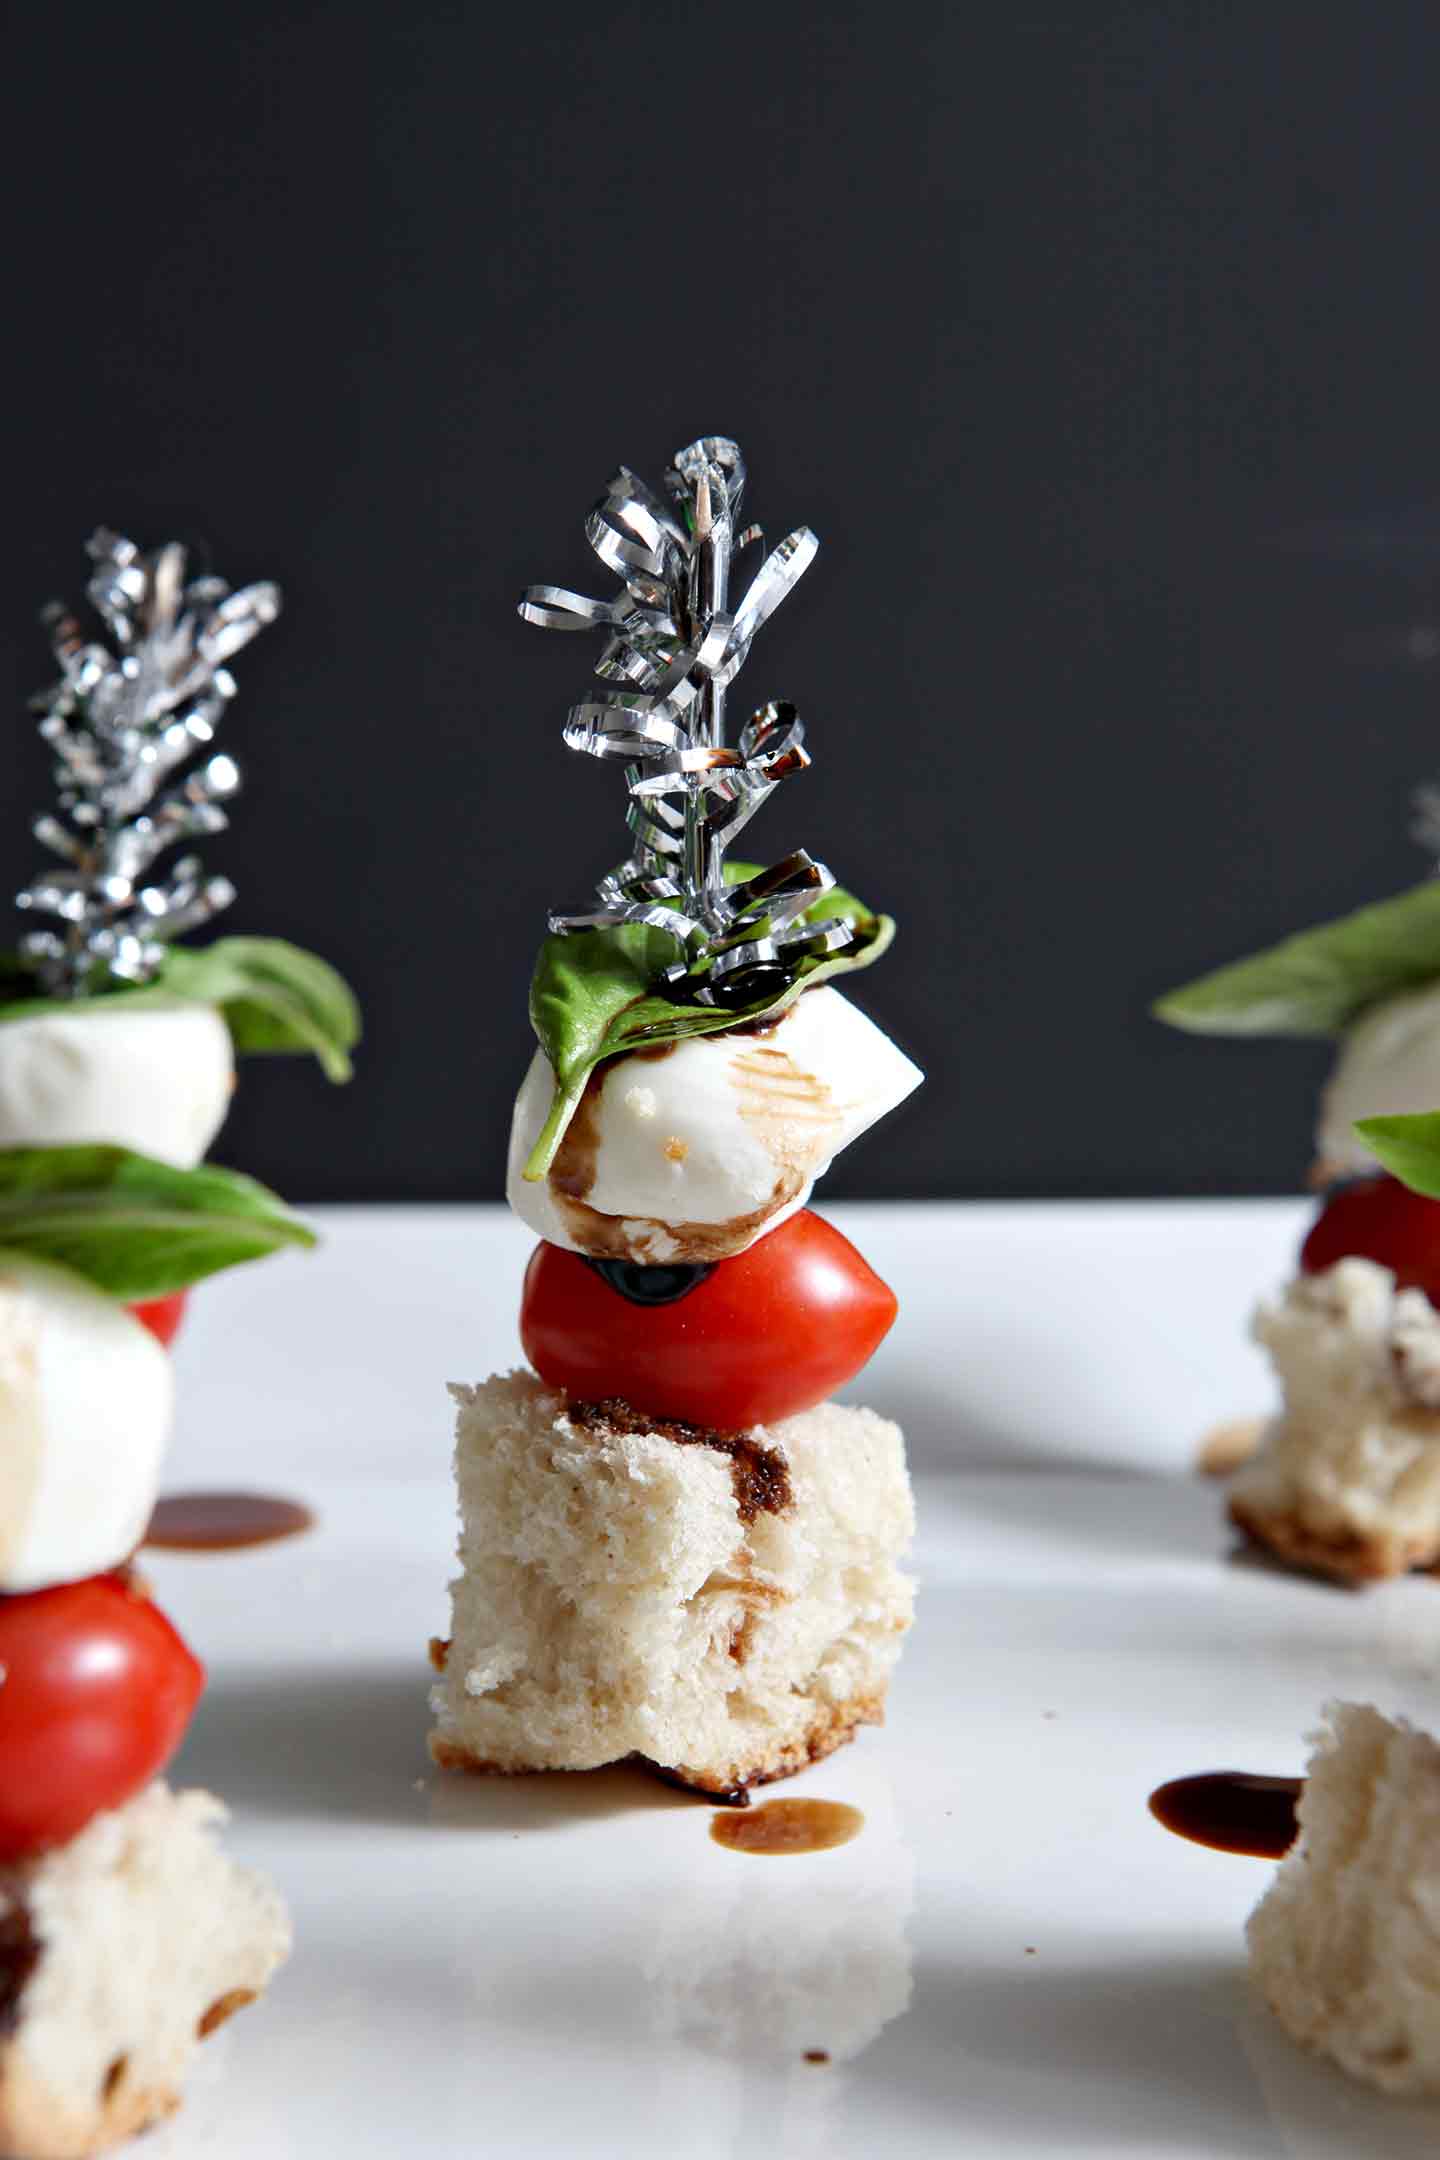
{"points": [[674, 642], [123, 718]]}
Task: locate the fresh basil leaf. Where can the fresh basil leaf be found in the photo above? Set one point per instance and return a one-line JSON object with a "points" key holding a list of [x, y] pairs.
{"points": [[1408, 1147], [274, 996], [1321, 980], [592, 997], [134, 1226]]}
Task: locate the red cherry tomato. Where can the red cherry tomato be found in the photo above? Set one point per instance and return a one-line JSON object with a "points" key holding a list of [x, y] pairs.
{"points": [[96, 1690], [771, 1332], [162, 1315], [1378, 1218]]}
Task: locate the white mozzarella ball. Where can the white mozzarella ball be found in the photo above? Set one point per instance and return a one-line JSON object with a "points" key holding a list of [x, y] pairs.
{"points": [[1389, 1063], [696, 1151], [86, 1395], [158, 1079]]}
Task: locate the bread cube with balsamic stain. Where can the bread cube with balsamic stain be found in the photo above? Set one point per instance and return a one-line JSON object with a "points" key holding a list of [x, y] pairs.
{"points": [[726, 1606]]}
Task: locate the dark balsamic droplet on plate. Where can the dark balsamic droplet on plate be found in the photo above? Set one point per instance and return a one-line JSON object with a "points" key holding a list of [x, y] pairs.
{"points": [[1231, 1811], [224, 1521], [651, 1285]]}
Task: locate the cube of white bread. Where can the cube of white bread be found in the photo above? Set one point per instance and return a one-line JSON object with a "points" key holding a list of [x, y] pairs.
{"points": [[727, 1606], [1345, 1945], [86, 1396], [1347, 1478], [119, 1953]]}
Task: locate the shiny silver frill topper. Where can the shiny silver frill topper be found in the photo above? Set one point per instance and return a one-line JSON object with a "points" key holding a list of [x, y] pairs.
{"points": [[675, 642], [122, 719]]}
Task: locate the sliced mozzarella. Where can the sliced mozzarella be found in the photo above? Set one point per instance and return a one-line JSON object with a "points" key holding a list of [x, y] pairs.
{"points": [[85, 1402], [694, 1152], [158, 1079], [1389, 1062]]}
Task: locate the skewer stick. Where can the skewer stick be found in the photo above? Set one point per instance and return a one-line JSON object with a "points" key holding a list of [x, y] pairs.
{"points": [[710, 578]]}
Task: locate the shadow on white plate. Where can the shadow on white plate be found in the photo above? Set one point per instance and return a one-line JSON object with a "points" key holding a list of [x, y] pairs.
{"points": [[941, 1434], [1134, 2055], [1251, 1558], [1322, 2114], [1146, 2052], [1116, 1518], [347, 1746]]}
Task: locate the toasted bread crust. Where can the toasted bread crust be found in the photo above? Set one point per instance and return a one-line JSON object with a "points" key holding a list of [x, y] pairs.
{"points": [[1347, 1558], [832, 1725]]}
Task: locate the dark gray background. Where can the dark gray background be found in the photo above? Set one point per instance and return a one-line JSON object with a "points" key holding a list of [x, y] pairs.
{"points": [[1098, 344]]}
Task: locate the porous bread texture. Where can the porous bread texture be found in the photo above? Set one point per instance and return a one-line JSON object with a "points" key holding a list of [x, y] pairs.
{"points": [[1345, 1945], [613, 1601], [145, 1937], [1347, 1477]]}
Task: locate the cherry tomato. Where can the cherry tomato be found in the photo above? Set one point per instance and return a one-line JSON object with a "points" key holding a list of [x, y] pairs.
{"points": [[162, 1315], [96, 1690], [1378, 1218], [771, 1332]]}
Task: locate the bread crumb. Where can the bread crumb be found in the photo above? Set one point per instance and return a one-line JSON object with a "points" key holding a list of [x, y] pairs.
{"points": [[1226, 1446], [676, 1149]]}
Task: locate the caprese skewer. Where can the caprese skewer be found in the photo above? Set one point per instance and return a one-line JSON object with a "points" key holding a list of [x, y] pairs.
{"points": [[104, 1870], [1346, 1478], [675, 1544], [113, 1028]]}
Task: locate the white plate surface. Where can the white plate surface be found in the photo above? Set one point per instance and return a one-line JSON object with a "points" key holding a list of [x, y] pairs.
{"points": [[1012, 1958]]}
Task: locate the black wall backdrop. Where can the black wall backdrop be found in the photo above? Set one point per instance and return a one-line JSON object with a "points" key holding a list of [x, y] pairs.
{"points": [[1097, 344]]}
